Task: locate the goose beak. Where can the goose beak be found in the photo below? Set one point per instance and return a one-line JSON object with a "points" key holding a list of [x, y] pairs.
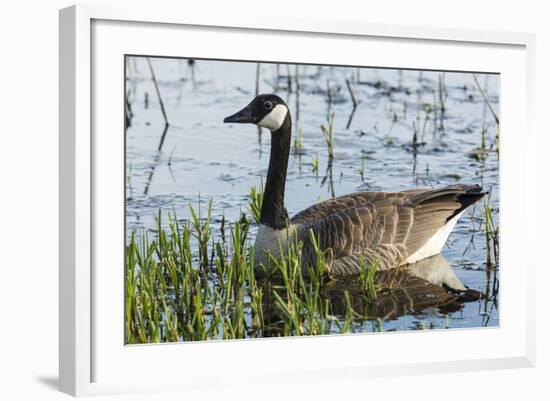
{"points": [[244, 116]]}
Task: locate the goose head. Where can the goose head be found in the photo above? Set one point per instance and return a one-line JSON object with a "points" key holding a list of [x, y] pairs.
{"points": [[268, 111]]}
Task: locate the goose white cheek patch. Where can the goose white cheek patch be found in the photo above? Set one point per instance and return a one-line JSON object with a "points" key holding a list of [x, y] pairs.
{"points": [[275, 118]]}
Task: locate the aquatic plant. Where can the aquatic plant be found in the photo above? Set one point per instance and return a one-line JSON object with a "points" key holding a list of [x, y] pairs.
{"points": [[159, 97], [201, 230], [366, 278], [328, 135], [351, 93], [442, 93], [298, 147], [176, 294], [315, 164], [362, 170], [491, 233], [256, 196]]}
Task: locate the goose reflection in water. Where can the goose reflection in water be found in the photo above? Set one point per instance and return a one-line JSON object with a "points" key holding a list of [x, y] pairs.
{"points": [[430, 284]]}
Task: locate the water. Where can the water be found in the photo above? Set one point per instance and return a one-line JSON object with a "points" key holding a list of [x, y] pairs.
{"points": [[202, 158]]}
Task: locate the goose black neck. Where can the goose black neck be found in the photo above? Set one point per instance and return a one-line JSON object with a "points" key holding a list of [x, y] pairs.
{"points": [[273, 213]]}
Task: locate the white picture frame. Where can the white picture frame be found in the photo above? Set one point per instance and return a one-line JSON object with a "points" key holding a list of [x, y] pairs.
{"points": [[94, 361]]}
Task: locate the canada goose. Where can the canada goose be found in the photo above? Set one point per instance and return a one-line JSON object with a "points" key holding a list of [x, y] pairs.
{"points": [[395, 228]]}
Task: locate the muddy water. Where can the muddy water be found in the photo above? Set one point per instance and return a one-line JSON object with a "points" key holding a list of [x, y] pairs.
{"points": [[202, 158]]}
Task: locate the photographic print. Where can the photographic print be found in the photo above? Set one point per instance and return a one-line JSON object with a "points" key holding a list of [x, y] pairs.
{"points": [[274, 199]]}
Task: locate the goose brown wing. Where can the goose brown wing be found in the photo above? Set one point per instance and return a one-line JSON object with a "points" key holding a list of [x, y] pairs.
{"points": [[325, 209], [360, 226], [386, 225]]}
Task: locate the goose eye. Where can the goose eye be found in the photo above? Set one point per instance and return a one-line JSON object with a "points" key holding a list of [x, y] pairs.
{"points": [[268, 105]]}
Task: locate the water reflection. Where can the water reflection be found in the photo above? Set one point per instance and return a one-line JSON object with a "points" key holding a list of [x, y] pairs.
{"points": [[328, 178], [430, 283], [408, 290], [156, 161]]}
